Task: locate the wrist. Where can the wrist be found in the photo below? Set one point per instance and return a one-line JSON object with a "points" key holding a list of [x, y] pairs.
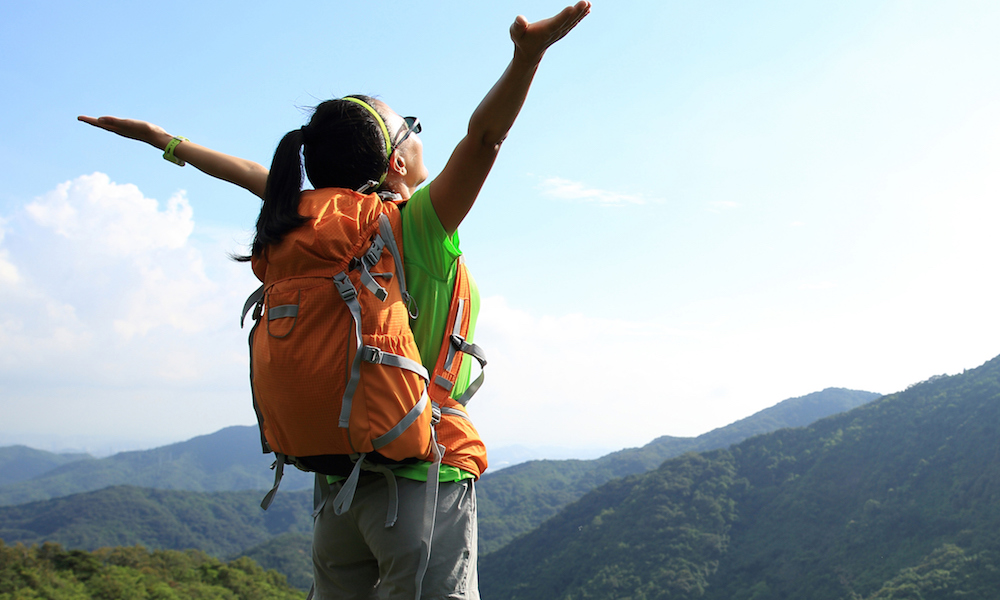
{"points": [[168, 153], [528, 60], [160, 139]]}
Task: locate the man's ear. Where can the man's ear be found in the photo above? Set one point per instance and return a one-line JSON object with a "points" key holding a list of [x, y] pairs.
{"points": [[397, 164]]}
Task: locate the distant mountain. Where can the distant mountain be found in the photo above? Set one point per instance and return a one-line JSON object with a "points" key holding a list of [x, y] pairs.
{"points": [[221, 523], [895, 499], [20, 463], [519, 498], [229, 459]]}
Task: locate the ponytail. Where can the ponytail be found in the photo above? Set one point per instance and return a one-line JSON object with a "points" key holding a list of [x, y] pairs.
{"points": [[280, 211]]}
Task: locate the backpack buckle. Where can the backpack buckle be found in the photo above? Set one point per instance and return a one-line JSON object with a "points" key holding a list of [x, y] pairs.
{"points": [[372, 355], [345, 287]]}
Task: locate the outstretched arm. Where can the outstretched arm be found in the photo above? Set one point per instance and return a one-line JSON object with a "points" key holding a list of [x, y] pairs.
{"points": [[244, 173], [455, 189]]}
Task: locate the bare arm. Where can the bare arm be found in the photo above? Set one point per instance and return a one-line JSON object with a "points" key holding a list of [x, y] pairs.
{"points": [[244, 173], [455, 189]]}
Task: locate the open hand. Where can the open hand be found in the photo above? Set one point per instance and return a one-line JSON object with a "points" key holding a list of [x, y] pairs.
{"points": [[532, 39], [131, 128]]}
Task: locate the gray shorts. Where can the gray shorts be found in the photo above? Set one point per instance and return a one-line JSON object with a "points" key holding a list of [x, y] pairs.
{"points": [[355, 557]]}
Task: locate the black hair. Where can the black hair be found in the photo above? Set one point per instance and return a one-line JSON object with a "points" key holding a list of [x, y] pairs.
{"points": [[342, 146]]}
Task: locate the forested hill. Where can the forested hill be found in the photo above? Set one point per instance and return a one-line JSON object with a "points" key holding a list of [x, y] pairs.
{"points": [[18, 463], [220, 523], [899, 498], [48, 571], [229, 459], [517, 499]]}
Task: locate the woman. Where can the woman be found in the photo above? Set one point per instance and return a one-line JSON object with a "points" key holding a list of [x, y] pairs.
{"points": [[358, 142]]}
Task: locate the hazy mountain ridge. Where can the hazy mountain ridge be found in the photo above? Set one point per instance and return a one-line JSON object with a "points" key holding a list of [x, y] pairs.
{"points": [[21, 463], [519, 498], [229, 459], [895, 499]]}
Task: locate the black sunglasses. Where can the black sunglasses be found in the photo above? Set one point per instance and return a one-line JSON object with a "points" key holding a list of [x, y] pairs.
{"points": [[411, 125]]}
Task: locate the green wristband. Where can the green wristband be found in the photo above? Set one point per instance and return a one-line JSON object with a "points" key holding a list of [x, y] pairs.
{"points": [[168, 152]]}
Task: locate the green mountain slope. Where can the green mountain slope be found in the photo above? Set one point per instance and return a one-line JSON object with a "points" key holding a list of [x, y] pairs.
{"points": [[20, 463], [519, 498], [50, 572], [896, 497], [289, 554], [229, 459], [219, 523]]}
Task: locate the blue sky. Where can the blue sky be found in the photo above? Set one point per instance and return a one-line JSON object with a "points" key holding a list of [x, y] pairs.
{"points": [[704, 208]]}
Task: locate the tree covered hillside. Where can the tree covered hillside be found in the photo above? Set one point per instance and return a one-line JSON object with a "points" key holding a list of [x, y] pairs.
{"points": [[48, 571], [518, 499], [219, 523], [899, 498]]}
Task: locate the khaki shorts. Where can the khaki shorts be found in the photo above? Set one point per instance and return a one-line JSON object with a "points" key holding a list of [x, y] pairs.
{"points": [[355, 557]]}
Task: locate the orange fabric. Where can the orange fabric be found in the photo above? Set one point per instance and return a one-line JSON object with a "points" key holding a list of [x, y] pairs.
{"points": [[301, 364], [463, 446]]}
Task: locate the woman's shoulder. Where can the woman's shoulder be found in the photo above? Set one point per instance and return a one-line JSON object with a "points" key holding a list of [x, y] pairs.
{"points": [[424, 238]]}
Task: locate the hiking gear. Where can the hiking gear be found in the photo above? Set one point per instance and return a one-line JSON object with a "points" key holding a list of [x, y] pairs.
{"points": [[168, 152], [410, 125], [334, 368]]}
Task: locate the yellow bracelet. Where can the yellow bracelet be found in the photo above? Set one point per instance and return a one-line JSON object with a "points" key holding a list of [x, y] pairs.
{"points": [[168, 152]]}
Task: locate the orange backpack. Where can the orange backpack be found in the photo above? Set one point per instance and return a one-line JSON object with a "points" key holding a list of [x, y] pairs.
{"points": [[335, 372]]}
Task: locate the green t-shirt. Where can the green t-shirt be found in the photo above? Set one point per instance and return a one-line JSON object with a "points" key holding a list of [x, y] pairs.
{"points": [[430, 258]]}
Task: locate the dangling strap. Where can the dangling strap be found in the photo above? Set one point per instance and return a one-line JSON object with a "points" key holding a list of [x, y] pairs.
{"points": [[430, 511], [279, 471], [321, 493], [342, 503], [392, 511]]}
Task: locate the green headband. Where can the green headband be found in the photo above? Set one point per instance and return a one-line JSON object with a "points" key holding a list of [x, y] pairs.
{"points": [[381, 123]]}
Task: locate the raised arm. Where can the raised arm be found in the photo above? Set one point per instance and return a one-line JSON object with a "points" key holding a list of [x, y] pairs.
{"points": [[244, 173], [455, 189]]}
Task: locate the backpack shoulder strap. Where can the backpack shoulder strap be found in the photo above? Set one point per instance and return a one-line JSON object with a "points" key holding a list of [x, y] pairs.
{"points": [[457, 327]]}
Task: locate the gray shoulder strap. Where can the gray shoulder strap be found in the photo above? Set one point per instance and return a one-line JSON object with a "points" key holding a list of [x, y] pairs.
{"points": [[385, 227], [350, 296]]}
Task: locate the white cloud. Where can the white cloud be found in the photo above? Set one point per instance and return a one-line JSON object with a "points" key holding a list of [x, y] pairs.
{"points": [[565, 189], [9, 275], [575, 380], [116, 218], [114, 317]]}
